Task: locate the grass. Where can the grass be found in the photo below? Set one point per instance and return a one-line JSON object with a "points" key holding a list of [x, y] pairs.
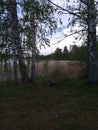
{"points": [[69, 105]]}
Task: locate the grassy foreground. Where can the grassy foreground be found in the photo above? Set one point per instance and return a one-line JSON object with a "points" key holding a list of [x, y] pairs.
{"points": [[69, 105]]}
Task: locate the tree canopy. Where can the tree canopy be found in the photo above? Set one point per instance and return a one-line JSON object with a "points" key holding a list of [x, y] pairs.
{"points": [[24, 25]]}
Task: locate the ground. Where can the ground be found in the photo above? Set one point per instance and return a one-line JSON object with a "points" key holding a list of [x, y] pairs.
{"points": [[69, 105]]}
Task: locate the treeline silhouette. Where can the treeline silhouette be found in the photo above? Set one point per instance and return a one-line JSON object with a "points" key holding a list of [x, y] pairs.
{"points": [[74, 53]]}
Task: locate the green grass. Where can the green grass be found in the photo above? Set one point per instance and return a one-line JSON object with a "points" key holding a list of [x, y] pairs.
{"points": [[70, 105]]}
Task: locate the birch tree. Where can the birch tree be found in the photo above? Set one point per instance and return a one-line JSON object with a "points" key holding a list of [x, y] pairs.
{"points": [[33, 39], [5, 53], [38, 23], [12, 11], [85, 15], [92, 66]]}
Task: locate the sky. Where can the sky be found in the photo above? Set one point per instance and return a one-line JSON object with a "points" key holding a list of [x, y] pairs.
{"points": [[59, 35], [54, 41]]}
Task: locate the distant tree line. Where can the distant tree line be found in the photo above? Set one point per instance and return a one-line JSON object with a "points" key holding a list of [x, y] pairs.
{"points": [[77, 53]]}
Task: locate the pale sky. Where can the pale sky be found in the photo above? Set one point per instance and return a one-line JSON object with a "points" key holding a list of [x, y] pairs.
{"points": [[59, 35], [55, 42]]}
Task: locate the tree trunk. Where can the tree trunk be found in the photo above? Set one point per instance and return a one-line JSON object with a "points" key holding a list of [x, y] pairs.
{"points": [[15, 68], [92, 63], [12, 10], [33, 29], [15, 75]]}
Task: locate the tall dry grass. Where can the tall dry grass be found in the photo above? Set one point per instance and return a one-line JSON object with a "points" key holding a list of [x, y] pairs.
{"points": [[44, 68], [48, 68]]}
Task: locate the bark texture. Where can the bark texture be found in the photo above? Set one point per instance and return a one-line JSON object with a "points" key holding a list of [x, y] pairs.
{"points": [[33, 29], [92, 65], [15, 73], [12, 10]]}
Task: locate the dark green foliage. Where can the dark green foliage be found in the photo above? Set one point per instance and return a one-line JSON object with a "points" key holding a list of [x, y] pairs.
{"points": [[77, 53], [57, 54], [44, 17], [65, 53], [45, 22]]}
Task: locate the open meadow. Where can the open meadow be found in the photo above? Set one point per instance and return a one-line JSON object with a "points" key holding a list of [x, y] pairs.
{"points": [[70, 68], [46, 68]]}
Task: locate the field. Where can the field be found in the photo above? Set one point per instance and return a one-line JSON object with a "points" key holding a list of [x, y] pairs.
{"points": [[44, 68], [69, 104], [66, 67]]}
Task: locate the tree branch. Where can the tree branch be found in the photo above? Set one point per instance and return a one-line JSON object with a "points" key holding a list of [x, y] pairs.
{"points": [[84, 1], [68, 35], [69, 12]]}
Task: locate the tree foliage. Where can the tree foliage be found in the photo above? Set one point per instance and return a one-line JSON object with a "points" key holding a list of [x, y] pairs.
{"points": [[16, 31], [16, 39], [84, 14]]}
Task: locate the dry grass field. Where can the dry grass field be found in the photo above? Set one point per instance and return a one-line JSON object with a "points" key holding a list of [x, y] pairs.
{"points": [[66, 67], [47, 68]]}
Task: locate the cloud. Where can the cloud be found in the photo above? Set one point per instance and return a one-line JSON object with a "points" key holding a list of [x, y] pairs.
{"points": [[57, 41], [59, 35]]}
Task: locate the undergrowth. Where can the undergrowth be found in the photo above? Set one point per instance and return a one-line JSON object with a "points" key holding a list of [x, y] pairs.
{"points": [[71, 104]]}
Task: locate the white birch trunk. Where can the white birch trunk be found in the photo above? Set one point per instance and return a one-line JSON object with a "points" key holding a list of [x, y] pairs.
{"points": [[12, 10], [92, 63]]}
